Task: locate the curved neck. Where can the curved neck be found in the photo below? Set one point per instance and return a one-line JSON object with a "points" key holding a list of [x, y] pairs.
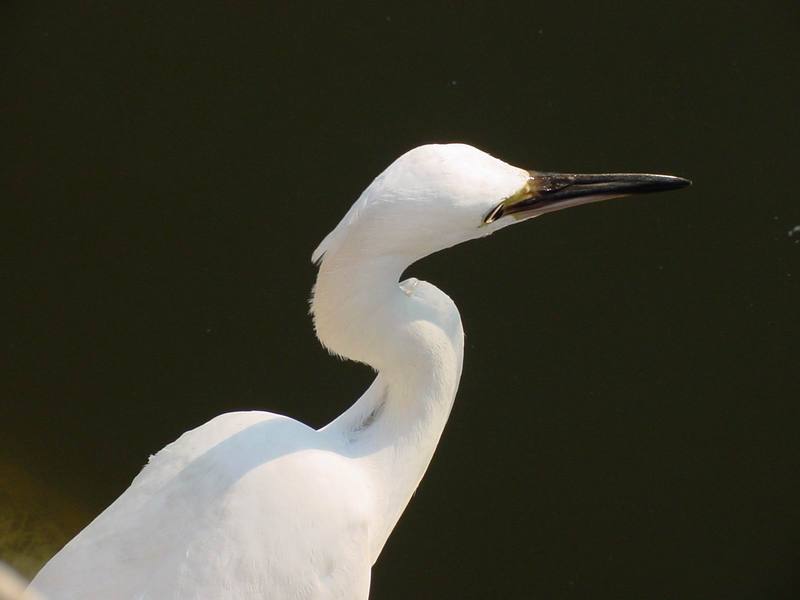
{"points": [[412, 336]]}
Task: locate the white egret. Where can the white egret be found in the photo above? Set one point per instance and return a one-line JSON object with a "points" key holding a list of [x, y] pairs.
{"points": [[258, 505]]}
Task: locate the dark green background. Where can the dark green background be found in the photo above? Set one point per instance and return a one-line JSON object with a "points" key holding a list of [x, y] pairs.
{"points": [[627, 423]]}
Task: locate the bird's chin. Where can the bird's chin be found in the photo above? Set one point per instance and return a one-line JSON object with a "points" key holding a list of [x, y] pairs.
{"points": [[523, 216], [517, 217]]}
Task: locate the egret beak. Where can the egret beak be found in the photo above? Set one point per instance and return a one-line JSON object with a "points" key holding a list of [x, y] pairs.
{"points": [[548, 192]]}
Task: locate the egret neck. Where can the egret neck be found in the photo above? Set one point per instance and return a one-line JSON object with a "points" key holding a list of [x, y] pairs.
{"points": [[411, 334]]}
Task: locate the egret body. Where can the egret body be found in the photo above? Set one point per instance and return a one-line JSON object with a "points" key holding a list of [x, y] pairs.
{"points": [[257, 505]]}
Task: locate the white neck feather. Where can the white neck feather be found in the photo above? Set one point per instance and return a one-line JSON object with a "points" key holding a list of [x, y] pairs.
{"points": [[412, 336]]}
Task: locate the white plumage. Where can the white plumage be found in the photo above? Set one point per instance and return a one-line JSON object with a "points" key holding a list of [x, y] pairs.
{"points": [[255, 505]]}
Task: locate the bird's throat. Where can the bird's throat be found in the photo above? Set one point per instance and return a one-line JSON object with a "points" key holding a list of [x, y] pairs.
{"points": [[392, 431]]}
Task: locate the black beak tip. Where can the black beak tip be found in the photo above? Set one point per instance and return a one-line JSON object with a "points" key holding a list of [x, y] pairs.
{"points": [[663, 183], [682, 182]]}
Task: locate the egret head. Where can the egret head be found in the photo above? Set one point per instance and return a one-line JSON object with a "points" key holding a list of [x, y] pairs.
{"points": [[436, 196]]}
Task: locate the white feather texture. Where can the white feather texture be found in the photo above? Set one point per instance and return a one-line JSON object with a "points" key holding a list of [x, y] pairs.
{"points": [[430, 198], [255, 505]]}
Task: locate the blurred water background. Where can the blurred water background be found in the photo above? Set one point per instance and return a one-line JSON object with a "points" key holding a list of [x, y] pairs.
{"points": [[627, 421]]}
